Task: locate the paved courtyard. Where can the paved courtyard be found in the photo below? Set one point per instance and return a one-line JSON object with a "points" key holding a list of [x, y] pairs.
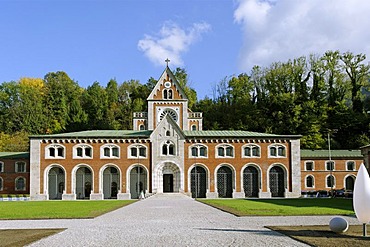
{"points": [[168, 220]]}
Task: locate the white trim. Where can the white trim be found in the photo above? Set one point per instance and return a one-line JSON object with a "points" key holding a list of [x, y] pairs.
{"points": [[207, 175], [354, 165], [233, 175], [110, 146], [224, 146], [73, 180], [83, 146], [128, 173], [313, 181], [16, 167], [345, 177], [2, 166], [137, 146], [250, 146], [1, 184], [46, 178], [55, 146], [101, 177], [277, 151], [15, 184], [286, 177], [326, 162], [259, 170], [313, 165], [197, 145], [334, 181]]}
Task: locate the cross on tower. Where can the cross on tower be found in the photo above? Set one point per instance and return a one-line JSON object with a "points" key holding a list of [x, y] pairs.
{"points": [[167, 61]]}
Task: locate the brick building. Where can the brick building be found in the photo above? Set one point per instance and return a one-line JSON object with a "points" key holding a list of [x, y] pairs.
{"points": [[319, 172], [14, 173], [167, 151]]}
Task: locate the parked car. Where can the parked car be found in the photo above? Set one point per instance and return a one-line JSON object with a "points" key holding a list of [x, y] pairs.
{"points": [[322, 193], [348, 194]]}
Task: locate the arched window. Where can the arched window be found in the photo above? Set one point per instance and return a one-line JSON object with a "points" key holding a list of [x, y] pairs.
{"points": [[198, 150], [251, 151], [137, 151], [109, 151], [82, 151], [350, 165], [1, 166], [169, 112], [141, 127], [277, 151], [330, 181], [168, 148], [168, 133], [167, 93], [55, 151], [20, 184], [310, 181], [225, 151], [1, 184], [193, 127], [20, 166]]}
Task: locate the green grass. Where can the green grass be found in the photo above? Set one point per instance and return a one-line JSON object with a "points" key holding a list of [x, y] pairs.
{"points": [[58, 209], [283, 207]]}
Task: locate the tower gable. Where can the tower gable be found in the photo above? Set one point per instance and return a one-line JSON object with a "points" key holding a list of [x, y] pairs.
{"points": [[167, 88]]}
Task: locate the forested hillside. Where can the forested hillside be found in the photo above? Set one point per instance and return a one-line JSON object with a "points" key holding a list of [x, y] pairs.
{"points": [[308, 96]]}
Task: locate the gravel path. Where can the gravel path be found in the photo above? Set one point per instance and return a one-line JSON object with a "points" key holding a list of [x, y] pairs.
{"points": [[168, 220]]}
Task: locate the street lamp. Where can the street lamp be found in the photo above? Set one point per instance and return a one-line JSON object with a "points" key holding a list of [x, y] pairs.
{"points": [[331, 166]]}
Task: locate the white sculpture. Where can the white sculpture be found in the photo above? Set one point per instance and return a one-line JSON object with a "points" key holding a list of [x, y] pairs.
{"points": [[361, 197], [338, 224]]}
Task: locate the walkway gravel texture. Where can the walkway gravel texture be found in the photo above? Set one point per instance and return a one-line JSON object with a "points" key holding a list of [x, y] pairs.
{"points": [[169, 220]]}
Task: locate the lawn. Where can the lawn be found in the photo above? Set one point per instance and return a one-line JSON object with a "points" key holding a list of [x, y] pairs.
{"points": [[58, 209], [283, 207], [22, 237]]}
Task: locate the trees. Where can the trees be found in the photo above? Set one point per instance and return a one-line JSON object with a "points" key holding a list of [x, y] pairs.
{"points": [[304, 95]]}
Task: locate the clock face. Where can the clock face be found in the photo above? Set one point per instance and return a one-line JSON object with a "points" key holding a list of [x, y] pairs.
{"points": [[167, 84]]}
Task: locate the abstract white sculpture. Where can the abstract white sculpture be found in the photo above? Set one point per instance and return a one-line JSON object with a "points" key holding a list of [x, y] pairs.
{"points": [[338, 224], [361, 197]]}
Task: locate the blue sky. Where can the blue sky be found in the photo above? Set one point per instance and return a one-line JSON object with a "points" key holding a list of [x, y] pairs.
{"points": [[99, 40]]}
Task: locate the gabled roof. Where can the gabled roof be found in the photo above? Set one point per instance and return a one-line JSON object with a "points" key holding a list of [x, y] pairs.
{"points": [[305, 153], [157, 86], [234, 133], [100, 134], [14, 155], [172, 122]]}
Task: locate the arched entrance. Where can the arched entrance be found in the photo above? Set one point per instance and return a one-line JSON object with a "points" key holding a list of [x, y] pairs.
{"points": [[350, 183], [111, 180], [225, 182], [168, 178], [250, 181], [198, 182], [83, 183], [277, 181], [56, 183], [138, 181]]}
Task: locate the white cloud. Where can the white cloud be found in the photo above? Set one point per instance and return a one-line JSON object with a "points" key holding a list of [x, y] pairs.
{"points": [[285, 29], [171, 42]]}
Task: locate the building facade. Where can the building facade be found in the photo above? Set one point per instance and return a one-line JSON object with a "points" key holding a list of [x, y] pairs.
{"points": [[14, 173], [321, 171], [167, 151]]}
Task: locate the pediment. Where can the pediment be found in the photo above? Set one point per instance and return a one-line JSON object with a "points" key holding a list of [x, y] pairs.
{"points": [[167, 85]]}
